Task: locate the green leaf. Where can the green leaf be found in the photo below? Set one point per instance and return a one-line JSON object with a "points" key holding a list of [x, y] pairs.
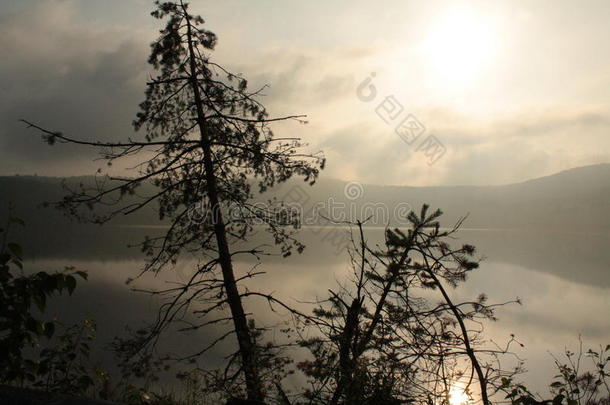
{"points": [[49, 329], [60, 282], [82, 274], [40, 328], [30, 324], [17, 221], [40, 299], [85, 381], [70, 283], [50, 283], [4, 258], [16, 250]]}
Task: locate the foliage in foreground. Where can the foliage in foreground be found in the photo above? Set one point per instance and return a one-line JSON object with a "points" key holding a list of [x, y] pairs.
{"points": [[578, 382], [372, 342], [392, 334], [23, 300]]}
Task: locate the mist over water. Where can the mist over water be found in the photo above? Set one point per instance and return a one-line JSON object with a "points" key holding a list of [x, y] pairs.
{"points": [[561, 278]]}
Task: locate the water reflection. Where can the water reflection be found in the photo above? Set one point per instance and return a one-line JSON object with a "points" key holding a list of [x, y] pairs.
{"points": [[562, 278]]}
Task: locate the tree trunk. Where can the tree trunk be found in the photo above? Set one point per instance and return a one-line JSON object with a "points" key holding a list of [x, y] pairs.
{"points": [[244, 337], [469, 350]]}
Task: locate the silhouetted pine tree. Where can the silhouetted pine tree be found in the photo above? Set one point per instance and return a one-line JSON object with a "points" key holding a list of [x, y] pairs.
{"points": [[207, 141]]}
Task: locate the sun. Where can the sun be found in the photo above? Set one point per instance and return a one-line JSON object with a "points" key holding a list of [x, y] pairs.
{"points": [[457, 396], [459, 46]]}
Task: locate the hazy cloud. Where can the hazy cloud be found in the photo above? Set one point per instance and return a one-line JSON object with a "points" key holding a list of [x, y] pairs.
{"points": [[72, 68], [85, 83]]}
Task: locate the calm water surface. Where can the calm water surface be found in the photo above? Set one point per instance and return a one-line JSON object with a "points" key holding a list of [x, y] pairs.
{"points": [[563, 280]]}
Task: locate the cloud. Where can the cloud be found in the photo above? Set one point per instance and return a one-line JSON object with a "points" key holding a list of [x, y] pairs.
{"points": [[305, 78], [363, 153], [524, 146], [87, 80], [67, 77], [501, 151], [506, 148]]}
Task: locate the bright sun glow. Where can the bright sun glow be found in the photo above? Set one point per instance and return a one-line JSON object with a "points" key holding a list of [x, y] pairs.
{"points": [[457, 396], [459, 46]]}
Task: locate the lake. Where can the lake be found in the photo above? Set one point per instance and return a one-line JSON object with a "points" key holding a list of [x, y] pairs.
{"points": [[562, 279]]}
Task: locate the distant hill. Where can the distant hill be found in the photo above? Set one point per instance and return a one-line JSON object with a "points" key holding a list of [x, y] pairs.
{"points": [[28, 194], [576, 199]]}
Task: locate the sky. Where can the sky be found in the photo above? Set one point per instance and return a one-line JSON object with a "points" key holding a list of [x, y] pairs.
{"points": [[481, 92]]}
